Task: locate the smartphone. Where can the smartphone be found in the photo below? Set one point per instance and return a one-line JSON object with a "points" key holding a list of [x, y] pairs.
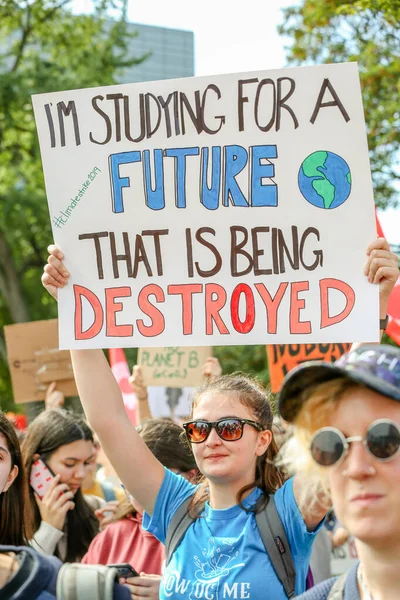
{"points": [[40, 477], [125, 570]]}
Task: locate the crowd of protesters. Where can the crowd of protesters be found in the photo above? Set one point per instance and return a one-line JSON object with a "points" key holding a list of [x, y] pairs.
{"points": [[182, 513]]}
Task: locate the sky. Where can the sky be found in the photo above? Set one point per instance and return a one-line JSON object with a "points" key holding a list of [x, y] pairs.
{"points": [[229, 39]]}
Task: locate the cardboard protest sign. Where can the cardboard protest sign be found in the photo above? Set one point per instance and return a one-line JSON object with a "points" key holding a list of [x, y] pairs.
{"points": [[35, 360], [232, 209], [173, 367], [284, 357]]}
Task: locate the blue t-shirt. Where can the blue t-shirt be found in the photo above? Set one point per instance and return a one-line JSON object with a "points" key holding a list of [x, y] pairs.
{"points": [[222, 554]]}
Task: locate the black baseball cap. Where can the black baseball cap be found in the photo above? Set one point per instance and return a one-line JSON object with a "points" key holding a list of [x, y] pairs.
{"points": [[373, 365]]}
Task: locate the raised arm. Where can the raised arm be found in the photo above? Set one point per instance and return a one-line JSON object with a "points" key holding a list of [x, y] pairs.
{"points": [[54, 398], [140, 389], [101, 398], [382, 269], [212, 368]]}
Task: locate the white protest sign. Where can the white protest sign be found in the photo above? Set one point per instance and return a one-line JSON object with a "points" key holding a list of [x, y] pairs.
{"points": [[171, 402], [233, 209]]}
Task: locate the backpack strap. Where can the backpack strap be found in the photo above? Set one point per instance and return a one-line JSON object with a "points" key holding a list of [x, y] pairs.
{"points": [[274, 538], [76, 581], [177, 528], [337, 590]]}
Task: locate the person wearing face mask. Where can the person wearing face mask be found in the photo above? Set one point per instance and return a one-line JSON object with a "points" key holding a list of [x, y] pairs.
{"points": [[14, 502], [64, 523], [347, 440]]}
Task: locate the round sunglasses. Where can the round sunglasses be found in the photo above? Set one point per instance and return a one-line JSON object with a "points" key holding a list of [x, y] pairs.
{"points": [[329, 446], [229, 430]]}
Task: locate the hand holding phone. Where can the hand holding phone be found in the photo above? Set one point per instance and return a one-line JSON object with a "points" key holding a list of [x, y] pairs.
{"points": [[54, 499], [146, 585], [125, 570], [40, 478]]}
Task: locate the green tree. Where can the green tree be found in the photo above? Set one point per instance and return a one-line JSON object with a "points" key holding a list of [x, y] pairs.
{"points": [[44, 47], [366, 31], [251, 360]]}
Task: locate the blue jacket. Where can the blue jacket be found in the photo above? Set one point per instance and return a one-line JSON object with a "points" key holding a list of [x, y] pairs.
{"points": [[321, 591], [36, 578]]}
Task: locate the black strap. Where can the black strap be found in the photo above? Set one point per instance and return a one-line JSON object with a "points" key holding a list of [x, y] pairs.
{"points": [[177, 528], [271, 531], [276, 544]]}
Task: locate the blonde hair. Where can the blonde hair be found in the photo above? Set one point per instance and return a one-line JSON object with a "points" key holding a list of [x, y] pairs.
{"points": [[317, 404]]}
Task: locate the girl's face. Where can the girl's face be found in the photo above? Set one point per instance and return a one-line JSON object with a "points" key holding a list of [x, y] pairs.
{"points": [[228, 462], [71, 462], [7, 474], [364, 490]]}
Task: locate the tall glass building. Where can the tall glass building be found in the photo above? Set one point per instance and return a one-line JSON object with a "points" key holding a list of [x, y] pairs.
{"points": [[171, 54]]}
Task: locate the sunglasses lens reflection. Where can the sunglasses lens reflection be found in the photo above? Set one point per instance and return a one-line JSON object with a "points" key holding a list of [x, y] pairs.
{"points": [[230, 429], [197, 431], [327, 448], [383, 440]]}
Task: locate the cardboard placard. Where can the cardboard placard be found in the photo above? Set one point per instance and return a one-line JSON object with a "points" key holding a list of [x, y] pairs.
{"points": [[213, 210], [174, 366], [35, 360], [284, 357], [53, 365]]}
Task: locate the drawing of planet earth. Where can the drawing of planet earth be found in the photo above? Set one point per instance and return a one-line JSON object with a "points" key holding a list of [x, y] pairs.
{"points": [[325, 179]]}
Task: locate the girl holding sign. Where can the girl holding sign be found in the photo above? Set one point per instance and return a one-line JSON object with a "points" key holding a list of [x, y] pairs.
{"points": [[221, 554]]}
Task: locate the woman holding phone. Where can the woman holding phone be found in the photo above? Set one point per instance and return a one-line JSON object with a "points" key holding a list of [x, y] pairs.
{"points": [[57, 449], [347, 436], [231, 438], [14, 502]]}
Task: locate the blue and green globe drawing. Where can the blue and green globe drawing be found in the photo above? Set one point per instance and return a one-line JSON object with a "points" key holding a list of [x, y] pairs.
{"points": [[325, 179]]}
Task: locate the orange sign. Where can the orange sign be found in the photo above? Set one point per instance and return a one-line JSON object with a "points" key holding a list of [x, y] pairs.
{"points": [[283, 357]]}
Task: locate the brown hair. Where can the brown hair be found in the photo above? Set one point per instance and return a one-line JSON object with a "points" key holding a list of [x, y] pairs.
{"points": [[48, 432], [15, 521], [164, 438], [268, 477]]}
